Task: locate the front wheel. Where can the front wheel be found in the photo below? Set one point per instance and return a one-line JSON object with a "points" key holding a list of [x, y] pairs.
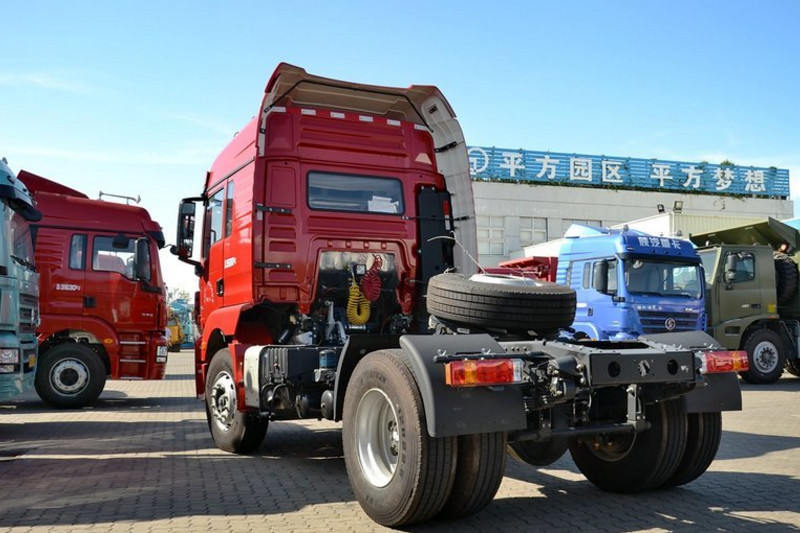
{"points": [[70, 375], [793, 367], [398, 473], [635, 462], [232, 430], [766, 357]]}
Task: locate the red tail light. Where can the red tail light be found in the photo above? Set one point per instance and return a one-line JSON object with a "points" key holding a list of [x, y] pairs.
{"points": [[715, 362], [483, 372]]}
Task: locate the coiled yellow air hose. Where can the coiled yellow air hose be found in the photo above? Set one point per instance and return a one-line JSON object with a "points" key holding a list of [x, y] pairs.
{"points": [[357, 305]]}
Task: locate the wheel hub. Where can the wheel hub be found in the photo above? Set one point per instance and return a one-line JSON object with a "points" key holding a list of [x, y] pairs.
{"points": [[765, 357], [377, 437], [223, 401], [612, 447], [69, 376]]}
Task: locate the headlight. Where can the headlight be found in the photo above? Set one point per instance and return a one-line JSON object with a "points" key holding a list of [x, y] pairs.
{"points": [[9, 356], [7, 369]]}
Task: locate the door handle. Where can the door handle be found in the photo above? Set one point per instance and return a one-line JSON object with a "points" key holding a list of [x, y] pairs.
{"points": [[89, 301], [220, 287]]}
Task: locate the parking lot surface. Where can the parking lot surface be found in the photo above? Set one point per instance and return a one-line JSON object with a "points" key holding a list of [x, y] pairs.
{"points": [[142, 460]]}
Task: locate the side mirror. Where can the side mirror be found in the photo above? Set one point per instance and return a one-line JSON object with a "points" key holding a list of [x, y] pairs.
{"points": [[142, 259], [185, 240], [600, 277], [730, 268]]}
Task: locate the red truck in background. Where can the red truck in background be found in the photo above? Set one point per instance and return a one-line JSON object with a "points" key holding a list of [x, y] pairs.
{"points": [[103, 301]]}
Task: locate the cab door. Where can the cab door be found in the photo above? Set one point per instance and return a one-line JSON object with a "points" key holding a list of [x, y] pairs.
{"points": [[740, 296], [216, 234], [61, 262]]}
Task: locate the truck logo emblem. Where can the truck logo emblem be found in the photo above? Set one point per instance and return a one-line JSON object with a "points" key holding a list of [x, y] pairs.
{"points": [[644, 368], [670, 324]]}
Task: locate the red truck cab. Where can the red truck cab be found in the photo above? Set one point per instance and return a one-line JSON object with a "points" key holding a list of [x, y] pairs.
{"points": [[103, 302]]}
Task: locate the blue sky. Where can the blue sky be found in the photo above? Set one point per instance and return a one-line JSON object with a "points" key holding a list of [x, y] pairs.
{"points": [[138, 97]]}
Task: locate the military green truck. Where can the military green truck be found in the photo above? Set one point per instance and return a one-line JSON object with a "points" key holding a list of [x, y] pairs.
{"points": [[752, 297]]}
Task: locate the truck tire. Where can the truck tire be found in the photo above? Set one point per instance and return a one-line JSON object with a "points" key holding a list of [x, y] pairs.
{"points": [[70, 375], [703, 434], [480, 468], [766, 355], [785, 277], [635, 462], [232, 430], [539, 453], [398, 473], [513, 306], [793, 367]]}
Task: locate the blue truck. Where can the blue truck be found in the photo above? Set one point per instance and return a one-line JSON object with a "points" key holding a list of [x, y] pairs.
{"points": [[627, 283]]}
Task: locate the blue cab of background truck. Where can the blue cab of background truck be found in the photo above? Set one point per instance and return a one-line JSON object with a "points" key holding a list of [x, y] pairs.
{"points": [[659, 282]]}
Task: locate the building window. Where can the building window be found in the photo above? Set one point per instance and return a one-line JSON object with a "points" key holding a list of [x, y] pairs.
{"points": [[491, 235], [532, 231]]}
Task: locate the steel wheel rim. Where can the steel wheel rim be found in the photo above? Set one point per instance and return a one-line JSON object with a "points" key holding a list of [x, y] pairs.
{"points": [[223, 401], [377, 437], [69, 376], [765, 357]]}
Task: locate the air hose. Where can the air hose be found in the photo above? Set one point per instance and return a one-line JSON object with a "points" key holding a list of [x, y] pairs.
{"points": [[371, 282], [357, 305]]}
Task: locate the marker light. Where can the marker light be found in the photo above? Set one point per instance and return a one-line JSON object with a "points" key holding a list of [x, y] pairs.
{"points": [[483, 372], [716, 362]]}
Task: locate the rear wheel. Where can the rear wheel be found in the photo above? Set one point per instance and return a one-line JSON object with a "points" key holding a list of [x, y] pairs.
{"points": [[766, 357], [480, 468], [398, 473], [70, 375], [635, 462], [703, 434], [232, 430], [539, 453]]}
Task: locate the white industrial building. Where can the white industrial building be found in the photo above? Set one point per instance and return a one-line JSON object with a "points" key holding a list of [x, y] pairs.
{"points": [[514, 214]]}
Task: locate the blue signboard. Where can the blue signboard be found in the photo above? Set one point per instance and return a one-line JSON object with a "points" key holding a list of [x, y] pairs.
{"points": [[490, 163]]}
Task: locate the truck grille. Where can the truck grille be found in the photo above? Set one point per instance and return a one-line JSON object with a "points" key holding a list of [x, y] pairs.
{"points": [[28, 312], [656, 321]]}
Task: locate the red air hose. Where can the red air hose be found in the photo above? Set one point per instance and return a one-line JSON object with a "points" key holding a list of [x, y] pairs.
{"points": [[371, 282]]}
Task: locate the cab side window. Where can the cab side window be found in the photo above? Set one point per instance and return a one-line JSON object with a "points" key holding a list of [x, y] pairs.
{"points": [[77, 252], [213, 227], [745, 268]]}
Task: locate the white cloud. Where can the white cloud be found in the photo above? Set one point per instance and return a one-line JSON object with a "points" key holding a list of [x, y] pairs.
{"points": [[45, 81]]}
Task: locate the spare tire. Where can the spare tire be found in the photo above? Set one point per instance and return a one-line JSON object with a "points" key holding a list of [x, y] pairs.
{"points": [[502, 302], [785, 277]]}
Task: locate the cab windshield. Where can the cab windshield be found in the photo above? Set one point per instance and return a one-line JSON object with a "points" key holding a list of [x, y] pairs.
{"points": [[21, 241], [662, 278]]}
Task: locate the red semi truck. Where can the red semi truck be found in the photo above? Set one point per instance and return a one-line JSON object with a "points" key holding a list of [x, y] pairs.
{"points": [[335, 282], [103, 303]]}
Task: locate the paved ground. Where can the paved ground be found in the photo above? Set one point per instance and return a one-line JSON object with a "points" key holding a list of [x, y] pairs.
{"points": [[141, 460]]}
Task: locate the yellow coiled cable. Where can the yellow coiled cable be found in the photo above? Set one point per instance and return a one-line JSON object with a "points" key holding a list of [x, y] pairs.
{"points": [[357, 305]]}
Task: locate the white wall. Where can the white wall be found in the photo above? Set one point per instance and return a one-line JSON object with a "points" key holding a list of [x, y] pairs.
{"points": [[611, 207]]}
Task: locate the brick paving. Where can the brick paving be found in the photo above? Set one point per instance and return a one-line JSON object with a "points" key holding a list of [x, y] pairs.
{"points": [[141, 460]]}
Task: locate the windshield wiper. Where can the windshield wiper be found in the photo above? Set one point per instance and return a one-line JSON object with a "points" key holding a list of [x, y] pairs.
{"points": [[23, 262]]}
